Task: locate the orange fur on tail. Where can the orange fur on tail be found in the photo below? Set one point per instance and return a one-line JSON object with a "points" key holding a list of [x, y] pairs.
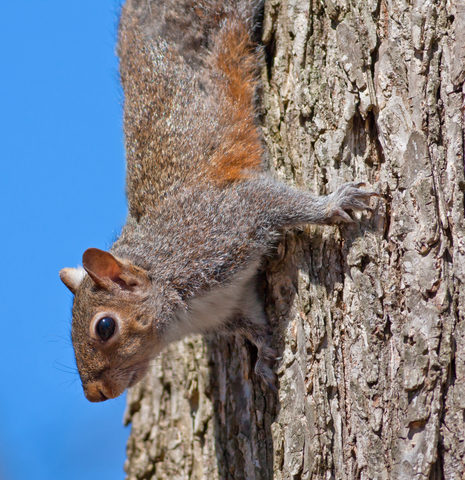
{"points": [[235, 59]]}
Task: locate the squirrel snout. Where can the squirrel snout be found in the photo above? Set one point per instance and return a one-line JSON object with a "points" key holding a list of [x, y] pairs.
{"points": [[98, 391], [111, 385]]}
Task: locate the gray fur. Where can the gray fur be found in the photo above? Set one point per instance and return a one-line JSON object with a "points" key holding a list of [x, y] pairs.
{"points": [[199, 240], [187, 257]]}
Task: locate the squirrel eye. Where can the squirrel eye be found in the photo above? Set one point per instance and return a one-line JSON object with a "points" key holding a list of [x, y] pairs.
{"points": [[105, 328]]}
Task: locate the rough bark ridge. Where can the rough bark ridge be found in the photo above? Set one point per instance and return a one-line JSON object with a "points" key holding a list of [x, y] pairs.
{"points": [[369, 319]]}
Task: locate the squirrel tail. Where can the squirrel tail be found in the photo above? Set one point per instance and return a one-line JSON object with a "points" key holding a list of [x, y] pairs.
{"points": [[189, 73], [233, 62]]}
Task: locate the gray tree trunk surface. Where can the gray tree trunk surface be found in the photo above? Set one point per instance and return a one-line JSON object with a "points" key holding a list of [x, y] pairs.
{"points": [[368, 319]]}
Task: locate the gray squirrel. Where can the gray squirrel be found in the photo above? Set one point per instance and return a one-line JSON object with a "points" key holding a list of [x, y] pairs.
{"points": [[202, 213]]}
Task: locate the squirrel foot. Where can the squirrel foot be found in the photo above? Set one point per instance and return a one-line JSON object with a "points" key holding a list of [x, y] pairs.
{"points": [[348, 197], [265, 358]]}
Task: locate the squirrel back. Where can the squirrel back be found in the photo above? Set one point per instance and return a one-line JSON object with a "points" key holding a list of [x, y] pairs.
{"points": [[189, 97]]}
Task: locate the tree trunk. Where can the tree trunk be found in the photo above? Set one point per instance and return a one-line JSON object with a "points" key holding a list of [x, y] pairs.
{"points": [[368, 319]]}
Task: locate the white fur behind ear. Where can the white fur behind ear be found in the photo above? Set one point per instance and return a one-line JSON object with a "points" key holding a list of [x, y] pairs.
{"points": [[72, 277]]}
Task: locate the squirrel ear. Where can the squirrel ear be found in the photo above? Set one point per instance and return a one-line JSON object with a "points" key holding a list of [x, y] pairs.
{"points": [[102, 267], [107, 271], [72, 277]]}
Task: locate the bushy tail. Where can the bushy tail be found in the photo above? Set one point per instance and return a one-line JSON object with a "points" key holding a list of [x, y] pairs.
{"points": [[234, 60], [190, 26], [189, 72]]}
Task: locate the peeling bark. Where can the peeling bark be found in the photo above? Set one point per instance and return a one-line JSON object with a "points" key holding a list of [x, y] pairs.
{"points": [[368, 319]]}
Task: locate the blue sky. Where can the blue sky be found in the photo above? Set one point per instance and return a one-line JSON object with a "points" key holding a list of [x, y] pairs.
{"points": [[62, 191]]}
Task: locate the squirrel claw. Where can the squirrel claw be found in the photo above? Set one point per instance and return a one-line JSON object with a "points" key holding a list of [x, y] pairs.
{"points": [[349, 197], [340, 215]]}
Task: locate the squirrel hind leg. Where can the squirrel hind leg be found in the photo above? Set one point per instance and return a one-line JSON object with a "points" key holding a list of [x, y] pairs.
{"points": [[266, 356], [256, 328], [251, 322], [260, 336]]}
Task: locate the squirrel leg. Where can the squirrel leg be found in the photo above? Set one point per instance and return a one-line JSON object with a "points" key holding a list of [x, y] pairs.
{"points": [[255, 327], [284, 206], [251, 323]]}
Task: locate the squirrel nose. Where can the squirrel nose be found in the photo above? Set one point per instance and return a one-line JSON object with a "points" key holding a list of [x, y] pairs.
{"points": [[98, 392]]}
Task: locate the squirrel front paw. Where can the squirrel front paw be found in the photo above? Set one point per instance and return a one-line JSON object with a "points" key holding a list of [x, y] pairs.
{"points": [[348, 197]]}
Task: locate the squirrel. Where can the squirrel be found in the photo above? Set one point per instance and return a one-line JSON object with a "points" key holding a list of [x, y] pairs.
{"points": [[203, 213]]}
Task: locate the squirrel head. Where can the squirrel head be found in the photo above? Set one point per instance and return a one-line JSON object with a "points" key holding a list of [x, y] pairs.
{"points": [[113, 331]]}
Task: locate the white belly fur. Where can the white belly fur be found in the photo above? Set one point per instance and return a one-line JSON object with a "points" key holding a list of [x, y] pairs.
{"points": [[209, 311]]}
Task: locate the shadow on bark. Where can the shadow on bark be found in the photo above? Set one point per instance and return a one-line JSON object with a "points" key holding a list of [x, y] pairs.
{"points": [[243, 409]]}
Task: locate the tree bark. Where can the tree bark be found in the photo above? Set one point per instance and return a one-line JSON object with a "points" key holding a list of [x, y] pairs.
{"points": [[368, 319]]}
